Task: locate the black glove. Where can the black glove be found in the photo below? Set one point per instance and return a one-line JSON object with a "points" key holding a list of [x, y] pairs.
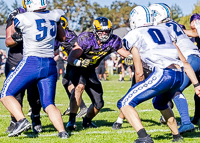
{"points": [[129, 60], [17, 37], [85, 63]]}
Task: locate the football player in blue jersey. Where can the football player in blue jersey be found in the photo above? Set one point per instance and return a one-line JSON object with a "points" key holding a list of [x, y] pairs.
{"points": [[153, 45], [89, 50], [38, 33], [14, 57], [190, 52], [67, 46]]}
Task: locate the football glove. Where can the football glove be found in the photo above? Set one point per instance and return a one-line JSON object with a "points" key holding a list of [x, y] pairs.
{"points": [[129, 60], [17, 37], [197, 26], [82, 63]]}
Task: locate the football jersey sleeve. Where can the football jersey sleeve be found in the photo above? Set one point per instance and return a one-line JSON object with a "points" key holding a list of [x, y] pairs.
{"points": [[129, 40], [57, 14], [19, 22], [117, 44]]}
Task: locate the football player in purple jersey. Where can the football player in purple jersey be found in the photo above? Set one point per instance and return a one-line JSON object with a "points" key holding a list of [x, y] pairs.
{"points": [[14, 41], [89, 50]]}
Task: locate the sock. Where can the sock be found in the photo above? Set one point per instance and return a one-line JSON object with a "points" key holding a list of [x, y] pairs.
{"points": [[119, 120], [182, 106], [13, 119], [142, 133], [88, 120], [72, 117]]}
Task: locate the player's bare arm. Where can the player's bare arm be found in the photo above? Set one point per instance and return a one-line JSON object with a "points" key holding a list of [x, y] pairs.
{"points": [[139, 74], [9, 41]]}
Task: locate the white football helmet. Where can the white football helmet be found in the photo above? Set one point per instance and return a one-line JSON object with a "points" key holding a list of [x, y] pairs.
{"points": [[31, 5], [140, 16], [162, 12]]}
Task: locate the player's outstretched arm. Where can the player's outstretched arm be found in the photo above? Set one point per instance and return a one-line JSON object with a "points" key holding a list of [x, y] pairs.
{"points": [[191, 33]]}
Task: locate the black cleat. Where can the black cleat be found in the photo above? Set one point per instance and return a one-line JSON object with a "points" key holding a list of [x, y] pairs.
{"points": [[146, 139], [88, 124], [82, 113], [116, 126], [63, 135], [36, 123], [11, 127], [195, 120], [21, 125], [71, 126], [67, 111], [179, 139]]}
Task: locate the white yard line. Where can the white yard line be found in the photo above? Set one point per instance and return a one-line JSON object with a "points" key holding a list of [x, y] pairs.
{"points": [[94, 132]]}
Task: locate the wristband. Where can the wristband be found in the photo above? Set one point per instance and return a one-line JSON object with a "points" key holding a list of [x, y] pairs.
{"points": [[77, 63], [195, 85]]}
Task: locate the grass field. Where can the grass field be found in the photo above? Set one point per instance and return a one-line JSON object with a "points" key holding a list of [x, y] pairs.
{"points": [[113, 91]]}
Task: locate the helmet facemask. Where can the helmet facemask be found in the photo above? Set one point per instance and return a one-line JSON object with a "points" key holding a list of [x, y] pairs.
{"points": [[102, 29]]}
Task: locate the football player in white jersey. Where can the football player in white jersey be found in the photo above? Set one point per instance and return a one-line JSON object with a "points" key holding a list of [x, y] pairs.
{"points": [[154, 46], [162, 16], [39, 28]]}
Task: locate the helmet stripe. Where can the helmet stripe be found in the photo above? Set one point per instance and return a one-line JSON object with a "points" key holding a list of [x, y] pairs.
{"points": [[97, 24], [42, 2], [167, 9], [147, 13]]}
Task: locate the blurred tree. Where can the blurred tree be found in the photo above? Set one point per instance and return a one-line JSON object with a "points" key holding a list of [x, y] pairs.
{"points": [[4, 10], [176, 12], [15, 5], [119, 13]]}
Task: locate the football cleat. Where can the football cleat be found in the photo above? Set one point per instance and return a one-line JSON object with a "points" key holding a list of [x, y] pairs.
{"points": [[63, 135], [88, 124], [82, 113], [67, 111], [11, 127], [146, 139], [116, 126], [21, 125], [195, 120], [186, 128], [178, 139], [71, 126]]}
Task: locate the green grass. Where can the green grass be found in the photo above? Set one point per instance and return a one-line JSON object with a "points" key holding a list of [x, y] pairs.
{"points": [[113, 91]]}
